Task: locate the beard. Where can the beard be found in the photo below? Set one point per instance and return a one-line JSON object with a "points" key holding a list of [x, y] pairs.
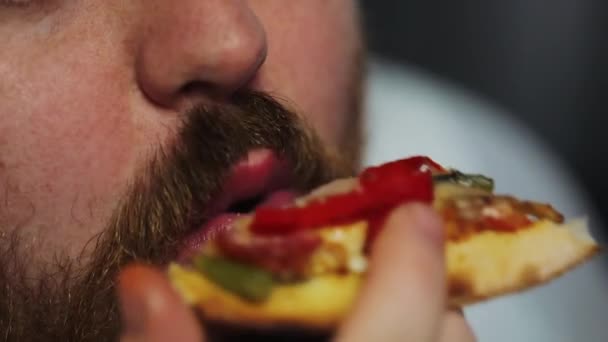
{"points": [[75, 300]]}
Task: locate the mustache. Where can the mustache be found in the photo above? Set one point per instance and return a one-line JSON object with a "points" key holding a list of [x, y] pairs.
{"points": [[178, 183]]}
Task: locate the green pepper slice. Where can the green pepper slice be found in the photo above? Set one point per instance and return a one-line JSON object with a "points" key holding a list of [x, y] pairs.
{"points": [[468, 180], [246, 281]]}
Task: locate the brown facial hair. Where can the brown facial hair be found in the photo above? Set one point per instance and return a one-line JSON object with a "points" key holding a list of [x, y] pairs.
{"points": [[162, 204]]}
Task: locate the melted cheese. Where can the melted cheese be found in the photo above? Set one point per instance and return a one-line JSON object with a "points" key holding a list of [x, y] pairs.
{"points": [[341, 250]]}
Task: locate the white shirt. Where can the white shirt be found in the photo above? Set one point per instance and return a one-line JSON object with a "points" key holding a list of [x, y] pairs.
{"points": [[412, 113]]}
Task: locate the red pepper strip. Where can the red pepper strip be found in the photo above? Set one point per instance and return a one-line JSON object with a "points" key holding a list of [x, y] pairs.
{"points": [[382, 188], [397, 182], [409, 165], [389, 186], [331, 210]]}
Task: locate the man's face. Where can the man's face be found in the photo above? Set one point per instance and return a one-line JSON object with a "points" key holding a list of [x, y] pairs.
{"points": [[121, 123]]}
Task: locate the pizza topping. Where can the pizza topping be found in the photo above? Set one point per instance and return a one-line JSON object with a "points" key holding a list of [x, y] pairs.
{"points": [[248, 282], [285, 256], [298, 255], [380, 189], [282, 240], [250, 266], [341, 250], [293, 243], [466, 215], [466, 180]]}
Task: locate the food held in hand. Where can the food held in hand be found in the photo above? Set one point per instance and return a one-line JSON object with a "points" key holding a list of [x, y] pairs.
{"points": [[302, 265]]}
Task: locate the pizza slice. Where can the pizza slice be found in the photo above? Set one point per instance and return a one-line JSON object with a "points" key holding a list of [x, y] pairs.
{"points": [[302, 266]]}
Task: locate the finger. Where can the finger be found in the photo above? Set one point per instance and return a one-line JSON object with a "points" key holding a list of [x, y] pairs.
{"points": [[403, 298], [151, 310], [455, 328]]}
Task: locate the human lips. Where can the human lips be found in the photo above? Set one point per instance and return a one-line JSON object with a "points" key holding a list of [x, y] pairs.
{"points": [[258, 179]]}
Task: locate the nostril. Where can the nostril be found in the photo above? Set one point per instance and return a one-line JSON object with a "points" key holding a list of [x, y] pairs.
{"points": [[192, 87], [196, 90]]}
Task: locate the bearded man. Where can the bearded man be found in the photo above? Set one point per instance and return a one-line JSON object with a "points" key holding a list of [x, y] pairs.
{"points": [[126, 125]]}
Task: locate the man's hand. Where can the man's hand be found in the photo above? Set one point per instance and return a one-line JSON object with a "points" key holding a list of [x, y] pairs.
{"points": [[403, 299]]}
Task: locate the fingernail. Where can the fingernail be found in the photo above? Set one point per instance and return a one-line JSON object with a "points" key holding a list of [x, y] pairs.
{"points": [[134, 314], [425, 220]]}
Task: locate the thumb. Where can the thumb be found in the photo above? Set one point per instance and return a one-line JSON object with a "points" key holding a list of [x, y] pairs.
{"points": [[151, 310], [403, 298]]}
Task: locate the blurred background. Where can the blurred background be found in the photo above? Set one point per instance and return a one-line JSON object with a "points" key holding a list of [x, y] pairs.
{"points": [[544, 61]]}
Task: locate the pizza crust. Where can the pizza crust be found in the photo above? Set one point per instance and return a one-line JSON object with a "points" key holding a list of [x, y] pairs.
{"points": [[483, 266], [494, 263]]}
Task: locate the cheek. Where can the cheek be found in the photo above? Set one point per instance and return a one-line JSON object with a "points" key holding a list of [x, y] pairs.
{"points": [[313, 47], [73, 132], [68, 147], [69, 141], [66, 137]]}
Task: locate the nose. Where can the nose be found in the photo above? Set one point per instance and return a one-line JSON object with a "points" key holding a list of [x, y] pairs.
{"points": [[193, 48]]}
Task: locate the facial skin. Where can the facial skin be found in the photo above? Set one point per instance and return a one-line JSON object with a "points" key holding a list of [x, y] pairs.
{"points": [[91, 91]]}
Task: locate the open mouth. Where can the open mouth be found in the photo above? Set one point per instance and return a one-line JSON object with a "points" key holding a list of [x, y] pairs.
{"points": [[259, 179]]}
